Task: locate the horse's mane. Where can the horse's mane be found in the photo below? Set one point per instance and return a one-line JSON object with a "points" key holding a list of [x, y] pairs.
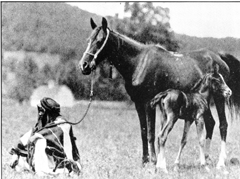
{"points": [[161, 48], [129, 39]]}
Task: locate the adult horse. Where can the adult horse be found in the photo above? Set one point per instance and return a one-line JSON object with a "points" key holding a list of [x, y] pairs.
{"points": [[150, 69]]}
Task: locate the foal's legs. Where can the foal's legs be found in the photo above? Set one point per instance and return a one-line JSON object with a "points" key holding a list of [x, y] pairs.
{"points": [[161, 160], [220, 105], [187, 125], [209, 125], [143, 124], [151, 120], [200, 127]]}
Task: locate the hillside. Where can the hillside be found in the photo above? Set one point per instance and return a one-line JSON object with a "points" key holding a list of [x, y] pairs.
{"points": [[229, 45], [45, 27], [63, 29]]}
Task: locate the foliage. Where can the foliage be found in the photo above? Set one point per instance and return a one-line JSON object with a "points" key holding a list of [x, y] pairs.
{"points": [[147, 24], [69, 75], [228, 44], [44, 27], [26, 74]]}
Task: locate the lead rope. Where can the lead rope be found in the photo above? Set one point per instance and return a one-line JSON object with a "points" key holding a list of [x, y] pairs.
{"points": [[89, 104]]}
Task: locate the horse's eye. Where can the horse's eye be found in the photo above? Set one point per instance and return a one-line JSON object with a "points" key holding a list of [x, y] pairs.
{"points": [[99, 43]]}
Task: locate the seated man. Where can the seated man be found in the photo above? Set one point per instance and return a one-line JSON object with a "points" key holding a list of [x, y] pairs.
{"points": [[49, 147]]}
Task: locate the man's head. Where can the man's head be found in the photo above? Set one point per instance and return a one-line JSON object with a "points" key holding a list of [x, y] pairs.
{"points": [[50, 105], [48, 110]]}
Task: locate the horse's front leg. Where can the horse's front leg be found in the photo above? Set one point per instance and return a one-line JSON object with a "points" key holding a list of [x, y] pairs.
{"points": [[151, 120], [143, 124], [220, 105]]}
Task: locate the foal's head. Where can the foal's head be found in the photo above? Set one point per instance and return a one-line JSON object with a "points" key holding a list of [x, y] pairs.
{"points": [[214, 83]]}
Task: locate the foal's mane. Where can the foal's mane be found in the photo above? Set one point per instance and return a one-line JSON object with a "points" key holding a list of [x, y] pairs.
{"points": [[197, 85]]}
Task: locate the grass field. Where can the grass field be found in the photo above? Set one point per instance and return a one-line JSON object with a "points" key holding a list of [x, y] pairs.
{"points": [[110, 145]]}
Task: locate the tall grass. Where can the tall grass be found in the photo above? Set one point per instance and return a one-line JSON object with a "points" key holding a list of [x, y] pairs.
{"points": [[110, 145]]}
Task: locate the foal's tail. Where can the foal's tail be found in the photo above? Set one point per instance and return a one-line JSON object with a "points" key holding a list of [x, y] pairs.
{"points": [[157, 99], [234, 83]]}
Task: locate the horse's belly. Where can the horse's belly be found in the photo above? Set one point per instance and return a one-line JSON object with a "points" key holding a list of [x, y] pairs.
{"points": [[174, 73]]}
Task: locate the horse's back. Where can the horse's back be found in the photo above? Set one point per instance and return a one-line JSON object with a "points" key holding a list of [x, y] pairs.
{"points": [[206, 58], [177, 72]]}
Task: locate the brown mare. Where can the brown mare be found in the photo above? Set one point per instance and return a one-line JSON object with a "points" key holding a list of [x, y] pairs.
{"points": [[191, 107], [149, 69]]}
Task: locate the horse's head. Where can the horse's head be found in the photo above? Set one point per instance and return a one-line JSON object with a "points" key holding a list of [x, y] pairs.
{"points": [[215, 82], [95, 52]]}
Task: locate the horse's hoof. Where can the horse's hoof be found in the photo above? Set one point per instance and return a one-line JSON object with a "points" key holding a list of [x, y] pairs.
{"points": [[223, 170], [176, 168], [154, 160], [206, 168], [234, 161], [208, 159], [145, 160], [159, 170]]}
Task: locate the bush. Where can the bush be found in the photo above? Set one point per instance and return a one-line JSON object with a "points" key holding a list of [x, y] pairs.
{"points": [[26, 75]]}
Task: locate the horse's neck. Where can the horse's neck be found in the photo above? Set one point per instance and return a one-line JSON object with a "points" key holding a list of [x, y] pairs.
{"points": [[125, 55]]}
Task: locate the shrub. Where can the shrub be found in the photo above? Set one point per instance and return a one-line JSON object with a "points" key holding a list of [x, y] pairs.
{"points": [[26, 73]]}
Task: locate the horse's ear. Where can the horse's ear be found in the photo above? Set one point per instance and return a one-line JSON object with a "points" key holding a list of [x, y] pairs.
{"points": [[215, 68], [104, 24], [93, 25]]}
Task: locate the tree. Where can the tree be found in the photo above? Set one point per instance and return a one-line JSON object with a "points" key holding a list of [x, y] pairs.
{"points": [[147, 24], [26, 73]]}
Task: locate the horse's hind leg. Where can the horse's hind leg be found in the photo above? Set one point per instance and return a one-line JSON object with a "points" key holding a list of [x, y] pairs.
{"points": [[151, 132], [187, 125], [220, 105], [143, 124], [161, 160], [209, 125]]}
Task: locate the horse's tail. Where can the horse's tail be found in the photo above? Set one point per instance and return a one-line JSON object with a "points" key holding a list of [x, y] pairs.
{"points": [[234, 83]]}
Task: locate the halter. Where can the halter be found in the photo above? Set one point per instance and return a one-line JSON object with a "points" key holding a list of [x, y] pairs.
{"points": [[103, 45]]}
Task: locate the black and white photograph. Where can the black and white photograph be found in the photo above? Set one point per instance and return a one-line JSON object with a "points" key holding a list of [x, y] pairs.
{"points": [[120, 89]]}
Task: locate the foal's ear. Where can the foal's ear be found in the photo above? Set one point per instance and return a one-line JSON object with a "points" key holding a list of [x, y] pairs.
{"points": [[215, 68], [104, 24], [93, 25]]}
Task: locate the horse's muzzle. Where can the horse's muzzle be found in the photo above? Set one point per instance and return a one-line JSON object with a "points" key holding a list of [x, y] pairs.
{"points": [[85, 68], [228, 93]]}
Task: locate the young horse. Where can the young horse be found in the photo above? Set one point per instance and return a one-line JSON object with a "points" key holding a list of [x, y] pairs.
{"points": [[148, 69], [191, 107]]}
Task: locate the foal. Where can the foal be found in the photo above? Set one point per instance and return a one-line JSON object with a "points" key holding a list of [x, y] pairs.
{"points": [[191, 107]]}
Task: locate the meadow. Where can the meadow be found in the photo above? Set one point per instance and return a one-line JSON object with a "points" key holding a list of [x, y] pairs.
{"points": [[110, 145]]}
